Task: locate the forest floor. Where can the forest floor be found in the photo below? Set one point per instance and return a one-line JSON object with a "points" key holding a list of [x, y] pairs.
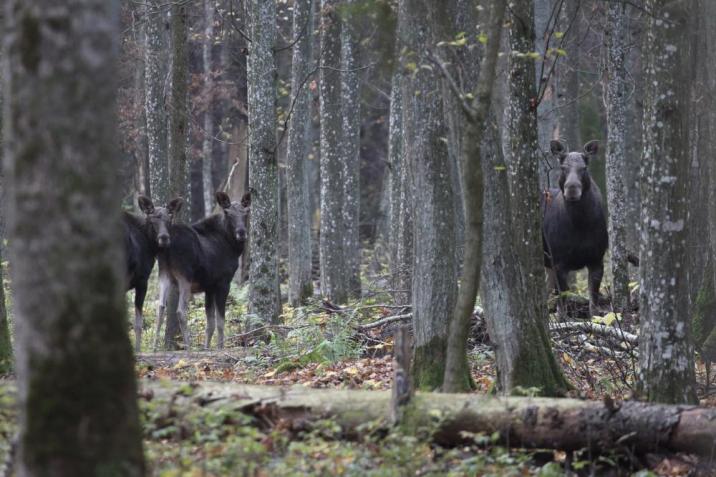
{"points": [[323, 346]]}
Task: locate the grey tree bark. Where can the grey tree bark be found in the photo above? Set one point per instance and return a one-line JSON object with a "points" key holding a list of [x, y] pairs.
{"points": [[264, 293], [300, 284], [350, 108], [666, 356], [176, 152], [615, 97], [534, 362], [76, 383], [567, 88], [332, 249], [208, 142], [434, 287], [457, 369], [5, 339], [547, 117], [401, 222], [156, 122]]}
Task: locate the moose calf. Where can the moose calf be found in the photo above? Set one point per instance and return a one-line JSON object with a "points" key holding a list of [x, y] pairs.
{"points": [[143, 237], [574, 233], [203, 257]]}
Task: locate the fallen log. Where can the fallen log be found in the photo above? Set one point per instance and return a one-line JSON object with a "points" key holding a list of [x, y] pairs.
{"points": [[566, 424], [599, 328]]}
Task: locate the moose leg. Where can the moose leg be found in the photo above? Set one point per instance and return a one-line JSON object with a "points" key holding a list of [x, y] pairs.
{"points": [[596, 272], [560, 285], [164, 285], [210, 310], [140, 292], [182, 311], [220, 307]]}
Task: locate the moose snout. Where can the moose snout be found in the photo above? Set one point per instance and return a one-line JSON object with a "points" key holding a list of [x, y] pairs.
{"points": [[163, 240], [241, 234], [572, 192]]}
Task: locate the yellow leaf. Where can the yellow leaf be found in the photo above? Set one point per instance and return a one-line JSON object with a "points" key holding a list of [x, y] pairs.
{"points": [[181, 364], [482, 38], [567, 359]]}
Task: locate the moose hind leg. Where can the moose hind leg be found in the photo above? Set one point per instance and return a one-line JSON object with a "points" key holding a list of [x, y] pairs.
{"points": [[596, 272], [210, 310]]}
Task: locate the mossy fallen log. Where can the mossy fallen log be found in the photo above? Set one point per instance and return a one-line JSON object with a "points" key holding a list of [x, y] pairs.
{"points": [[566, 424]]}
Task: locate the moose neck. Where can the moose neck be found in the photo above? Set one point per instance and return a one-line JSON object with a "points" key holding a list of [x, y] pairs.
{"points": [[581, 211]]}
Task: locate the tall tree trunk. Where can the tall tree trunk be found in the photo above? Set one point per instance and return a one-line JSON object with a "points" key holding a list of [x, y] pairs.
{"points": [[547, 119], [5, 340], [666, 356], [615, 38], [567, 89], [434, 285], [350, 107], [77, 390], [300, 284], [333, 260], [457, 369], [178, 121], [208, 142], [401, 222], [264, 294], [533, 364], [154, 76]]}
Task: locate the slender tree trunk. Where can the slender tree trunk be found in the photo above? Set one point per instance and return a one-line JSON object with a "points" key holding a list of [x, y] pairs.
{"points": [[547, 118], [615, 37], [666, 354], [154, 76], [568, 78], [77, 390], [401, 222], [707, 336], [176, 153], [457, 369], [332, 251], [264, 294], [208, 142], [5, 340], [350, 107], [300, 284], [395, 159], [434, 286], [534, 365]]}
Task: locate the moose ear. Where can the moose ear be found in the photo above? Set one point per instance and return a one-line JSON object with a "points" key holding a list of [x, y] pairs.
{"points": [[145, 204], [246, 200], [591, 148], [557, 149], [174, 205], [223, 199]]}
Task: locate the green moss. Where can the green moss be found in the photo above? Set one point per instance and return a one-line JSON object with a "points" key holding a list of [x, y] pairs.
{"points": [[80, 407], [428, 365], [537, 368]]}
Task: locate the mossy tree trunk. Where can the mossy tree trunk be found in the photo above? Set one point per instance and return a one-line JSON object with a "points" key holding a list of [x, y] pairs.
{"points": [[264, 293], [77, 389], [474, 117], [434, 287], [531, 361], [208, 132], [5, 340], [666, 356], [300, 284]]}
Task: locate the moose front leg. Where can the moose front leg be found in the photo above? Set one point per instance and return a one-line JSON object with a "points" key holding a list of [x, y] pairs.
{"points": [[183, 311], [596, 272], [164, 285], [140, 292]]}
